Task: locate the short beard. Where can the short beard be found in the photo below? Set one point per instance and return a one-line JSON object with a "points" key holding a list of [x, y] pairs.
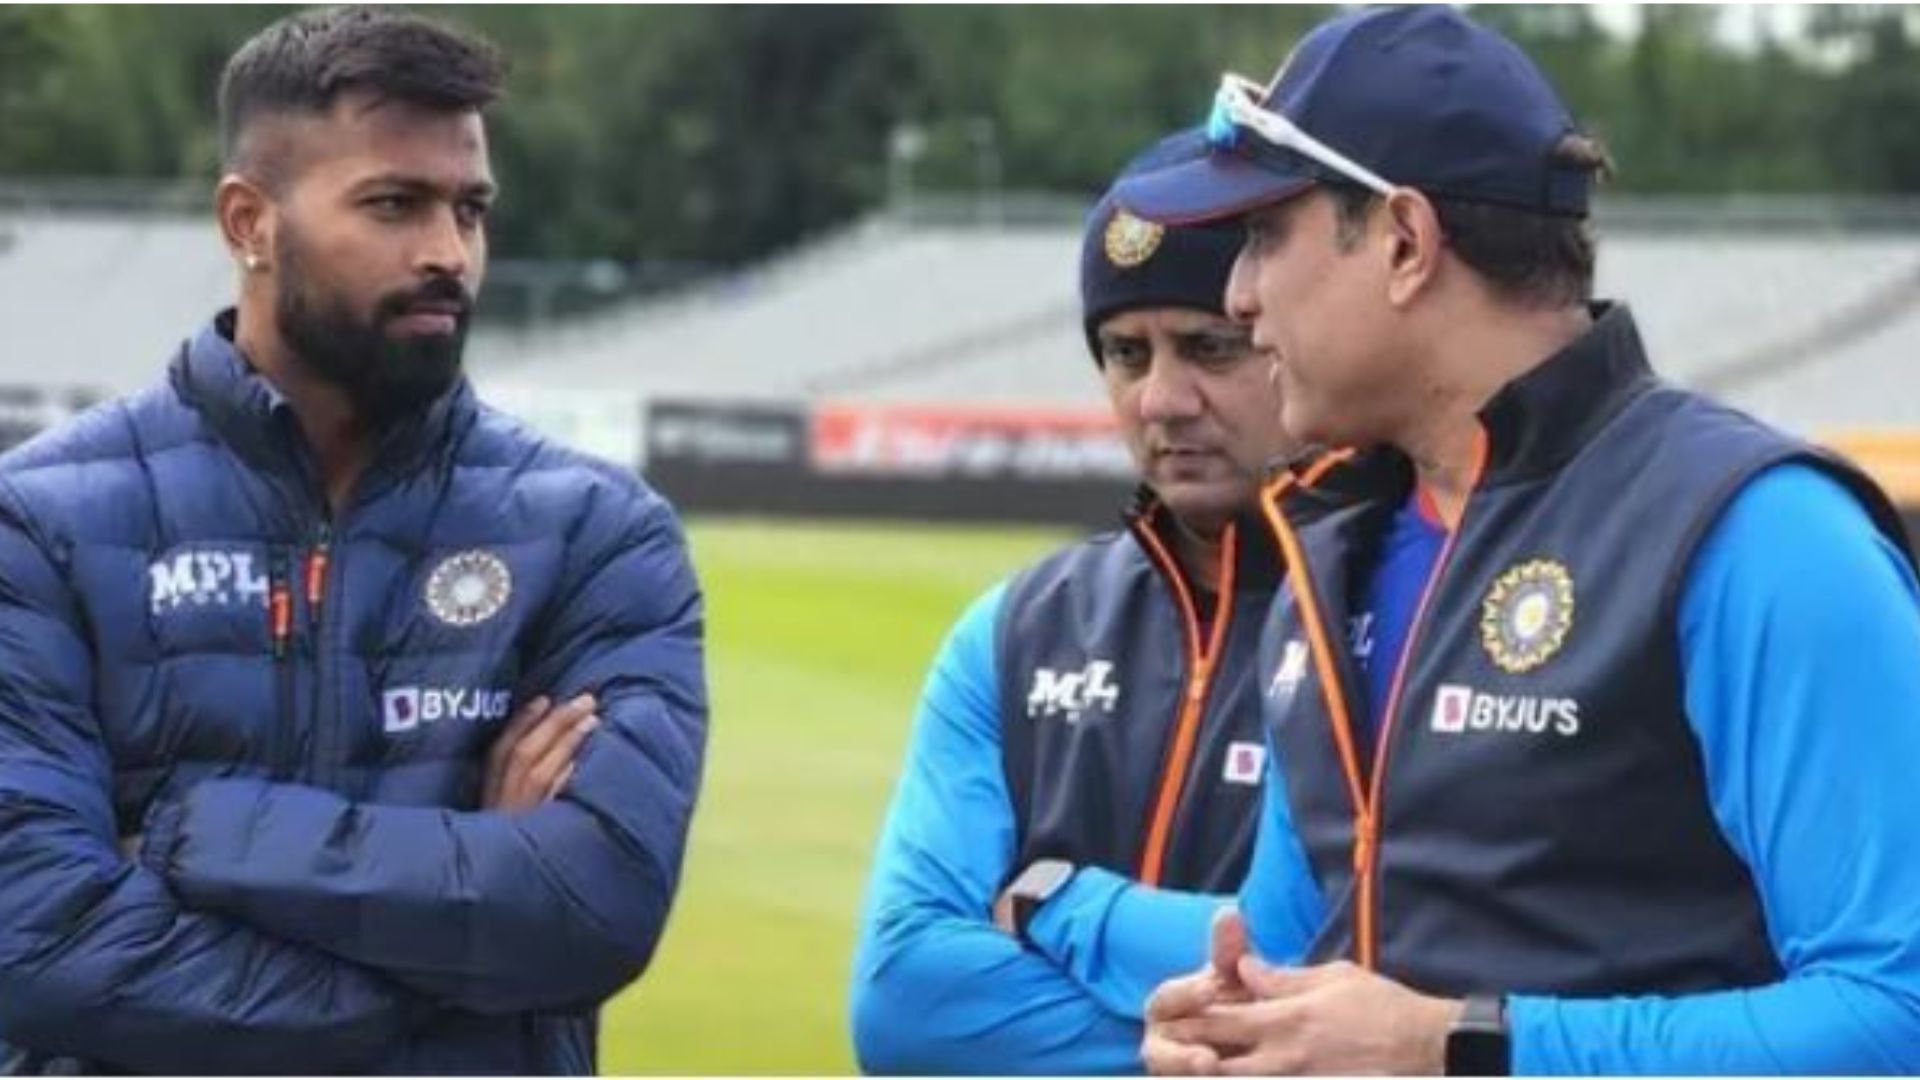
{"points": [[385, 379]]}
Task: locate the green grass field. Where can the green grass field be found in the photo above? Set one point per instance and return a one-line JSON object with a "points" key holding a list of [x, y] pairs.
{"points": [[818, 637]]}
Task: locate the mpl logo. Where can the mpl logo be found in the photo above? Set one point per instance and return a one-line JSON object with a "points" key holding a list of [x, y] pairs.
{"points": [[202, 577], [404, 708], [1360, 638], [1072, 693], [1292, 668], [1458, 710]]}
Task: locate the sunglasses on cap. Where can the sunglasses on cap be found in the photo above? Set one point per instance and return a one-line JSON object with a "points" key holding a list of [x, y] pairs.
{"points": [[1238, 111]]}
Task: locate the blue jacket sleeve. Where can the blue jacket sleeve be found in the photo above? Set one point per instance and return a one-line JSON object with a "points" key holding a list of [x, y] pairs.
{"points": [[97, 959], [1120, 939], [936, 987], [1281, 899], [1800, 644], [551, 908]]}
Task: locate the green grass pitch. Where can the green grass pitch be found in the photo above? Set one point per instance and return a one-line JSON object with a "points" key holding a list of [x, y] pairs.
{"points": [[818, 637]]}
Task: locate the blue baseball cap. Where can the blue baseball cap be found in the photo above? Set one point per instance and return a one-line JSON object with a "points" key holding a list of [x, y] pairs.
{"points": [[1128, 263], [1418, 96]]}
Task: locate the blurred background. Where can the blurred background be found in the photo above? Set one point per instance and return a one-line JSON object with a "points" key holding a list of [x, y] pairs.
{"points": [[813, 271]]}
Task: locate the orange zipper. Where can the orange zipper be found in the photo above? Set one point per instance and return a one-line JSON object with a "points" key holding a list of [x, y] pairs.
{"points": [[1200, 665], [1366, 812], [1316, 628]]}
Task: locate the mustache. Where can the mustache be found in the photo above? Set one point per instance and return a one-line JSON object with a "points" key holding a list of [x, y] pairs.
{"points": [[436, 293]]}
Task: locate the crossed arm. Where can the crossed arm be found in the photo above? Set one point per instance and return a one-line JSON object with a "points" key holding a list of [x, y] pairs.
{"points": [[555, 905], [937, 986], [98, 958], [272, 922]]}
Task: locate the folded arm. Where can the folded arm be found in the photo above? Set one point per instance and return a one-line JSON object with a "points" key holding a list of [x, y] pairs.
{"points": [[937, 988], [97, 958], [554, 907]]}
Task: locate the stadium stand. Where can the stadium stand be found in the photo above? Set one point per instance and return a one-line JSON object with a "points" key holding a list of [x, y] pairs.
{"points": [[100, 298], [1808, 318], [1778, 310]]}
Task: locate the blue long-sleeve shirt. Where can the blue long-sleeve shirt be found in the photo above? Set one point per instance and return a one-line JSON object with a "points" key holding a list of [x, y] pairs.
{"points": [[937, 988], [1800, 646]]}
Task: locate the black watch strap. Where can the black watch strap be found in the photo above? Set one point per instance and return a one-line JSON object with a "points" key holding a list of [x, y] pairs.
{"points": [[1024, 909], [1478, 1044]]}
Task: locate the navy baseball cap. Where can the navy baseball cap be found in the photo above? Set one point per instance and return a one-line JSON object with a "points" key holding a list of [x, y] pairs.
{"points": [[1128, 263], [1418, 96]]}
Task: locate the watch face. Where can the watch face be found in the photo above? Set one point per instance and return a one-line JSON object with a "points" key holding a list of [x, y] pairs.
{"points": [[1473, 1051]]}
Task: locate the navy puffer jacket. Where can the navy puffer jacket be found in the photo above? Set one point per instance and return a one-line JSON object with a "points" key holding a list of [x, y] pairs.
{"points": [[292, 712]]}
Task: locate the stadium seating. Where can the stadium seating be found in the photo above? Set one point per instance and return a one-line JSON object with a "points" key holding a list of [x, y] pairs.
{"points": [[1812, 328]]}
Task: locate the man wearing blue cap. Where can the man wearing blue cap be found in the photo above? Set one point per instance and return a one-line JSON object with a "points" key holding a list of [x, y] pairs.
{"points": [[1618, 777], [1090, 733]]}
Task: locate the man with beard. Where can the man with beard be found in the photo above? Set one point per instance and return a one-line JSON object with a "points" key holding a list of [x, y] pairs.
{"points": [[345, 724]]}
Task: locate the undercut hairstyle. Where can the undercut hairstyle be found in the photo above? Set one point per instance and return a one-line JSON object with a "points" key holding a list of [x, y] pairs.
{"points": [[302, 64], [1532, 259]]}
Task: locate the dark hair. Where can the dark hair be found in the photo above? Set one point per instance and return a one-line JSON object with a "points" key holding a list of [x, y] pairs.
{"points": [[1530, 258], [304, 62]]}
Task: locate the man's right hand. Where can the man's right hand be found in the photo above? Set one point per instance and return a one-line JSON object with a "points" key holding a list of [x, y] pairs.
{"points": [[1168, 1048], [532, 758]]}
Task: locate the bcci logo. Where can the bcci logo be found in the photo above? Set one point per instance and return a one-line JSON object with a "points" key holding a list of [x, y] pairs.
{"points": [[1131, 241], [468, 588], [1527, 615]]}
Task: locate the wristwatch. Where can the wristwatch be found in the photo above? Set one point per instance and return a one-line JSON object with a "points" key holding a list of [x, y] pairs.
{"points": [[1035, 886], [1477, 1044]]}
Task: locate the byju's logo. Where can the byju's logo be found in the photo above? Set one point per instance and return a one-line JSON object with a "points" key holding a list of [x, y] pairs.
{"points": [[1246, 763], [404, 708], [206, 577], [1072, 693], [1458, 710]]}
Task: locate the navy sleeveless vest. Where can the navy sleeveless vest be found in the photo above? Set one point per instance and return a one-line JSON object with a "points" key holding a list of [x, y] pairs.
{"points": [[1535, 818]]}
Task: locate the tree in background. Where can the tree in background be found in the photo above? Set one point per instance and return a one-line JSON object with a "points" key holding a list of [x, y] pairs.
{"points": [[716, 135], [1867, 119], [710, 133]]}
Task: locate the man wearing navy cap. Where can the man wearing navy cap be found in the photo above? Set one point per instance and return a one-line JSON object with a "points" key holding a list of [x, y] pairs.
{"points": [[1089, 739], [1593, 703]]}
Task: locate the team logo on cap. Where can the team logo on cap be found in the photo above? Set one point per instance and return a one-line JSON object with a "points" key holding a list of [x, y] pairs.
{"points": [[468, 588], [1527, 615], [1131, 241]]}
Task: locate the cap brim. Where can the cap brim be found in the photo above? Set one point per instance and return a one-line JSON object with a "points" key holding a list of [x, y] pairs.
{"points": [[1216, 187]]}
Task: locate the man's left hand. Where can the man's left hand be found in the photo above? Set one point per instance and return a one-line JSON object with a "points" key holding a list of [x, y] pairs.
{"points": [[532, 759], [1332, 1018], [1166, 1050]]}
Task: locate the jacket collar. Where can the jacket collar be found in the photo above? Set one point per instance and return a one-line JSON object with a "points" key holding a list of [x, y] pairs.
{"points": [[1257, 560], [1535, 424], [249, 413], [1540, 421]]}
